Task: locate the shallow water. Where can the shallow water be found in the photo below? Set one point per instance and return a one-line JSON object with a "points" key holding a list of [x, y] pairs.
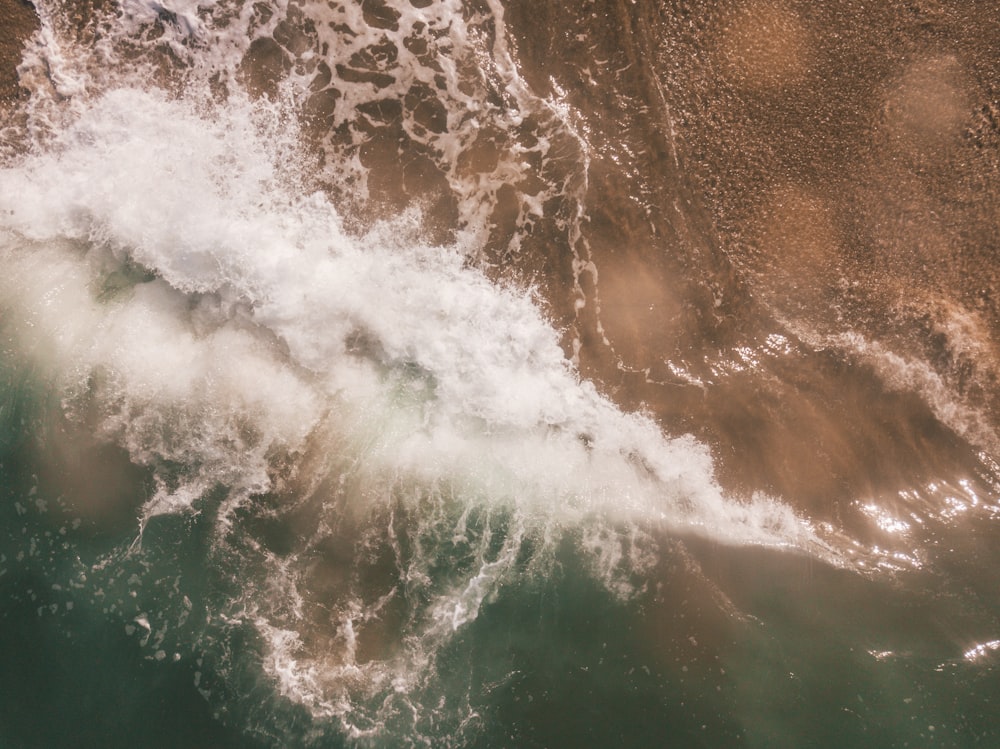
{"points": [[493, 374]]}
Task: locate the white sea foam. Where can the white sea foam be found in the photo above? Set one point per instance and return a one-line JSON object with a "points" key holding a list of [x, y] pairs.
{"points": [[190, 300], [263, 309], [905, 373]]}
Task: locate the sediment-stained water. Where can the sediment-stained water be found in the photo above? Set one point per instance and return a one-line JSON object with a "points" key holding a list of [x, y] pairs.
{"points": [[495, 374]]}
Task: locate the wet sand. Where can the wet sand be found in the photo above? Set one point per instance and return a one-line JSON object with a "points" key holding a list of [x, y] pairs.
{"points": [[18, 24], [789, 162]]}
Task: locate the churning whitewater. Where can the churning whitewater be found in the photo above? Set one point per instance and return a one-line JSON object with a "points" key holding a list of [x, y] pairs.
{"points": [[166, 271], [299, 309], [188, 299]]}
